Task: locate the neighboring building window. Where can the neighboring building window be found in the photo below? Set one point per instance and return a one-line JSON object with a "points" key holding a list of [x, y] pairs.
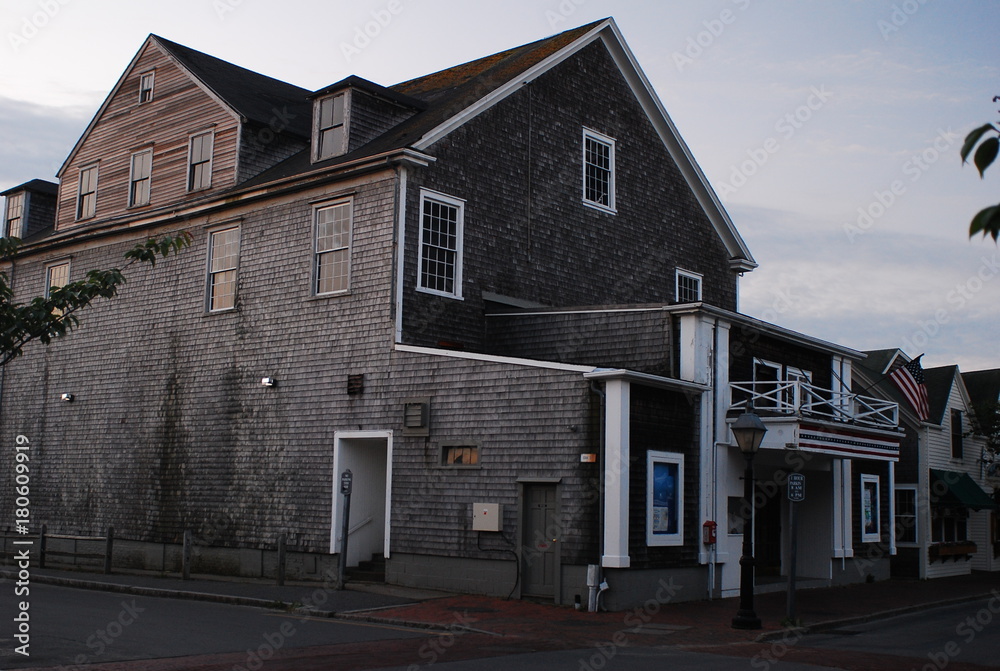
{"points": [[739, 513], [330, 131], [15, 212], [598, 170], [906, 515], [460, 455], [333, 249], [146, 87], [56, 275], [664, 498], [223, 259], [142, 169], [949, 525], [688, 286], [200, 161], [86, 199], [956, 434], [441, 224], [871, 530]]}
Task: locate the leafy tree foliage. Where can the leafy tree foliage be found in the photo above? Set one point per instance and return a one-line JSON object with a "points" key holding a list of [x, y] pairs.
{"points": [[988, 220], [46, 317]]}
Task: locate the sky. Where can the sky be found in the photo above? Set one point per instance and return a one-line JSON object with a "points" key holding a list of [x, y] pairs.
{"points": [[830, 129]]}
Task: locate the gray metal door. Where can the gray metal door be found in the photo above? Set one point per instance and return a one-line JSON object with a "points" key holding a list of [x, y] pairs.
{"points": [[540, 540]]}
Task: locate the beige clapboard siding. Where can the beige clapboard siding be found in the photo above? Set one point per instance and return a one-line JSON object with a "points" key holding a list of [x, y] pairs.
{"points": [[179, 108]]}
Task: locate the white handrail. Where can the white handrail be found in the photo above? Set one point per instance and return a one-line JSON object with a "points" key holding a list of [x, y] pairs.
{"points": [[797, 397]]}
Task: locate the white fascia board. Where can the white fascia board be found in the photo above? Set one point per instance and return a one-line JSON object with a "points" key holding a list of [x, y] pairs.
{"points": [[646, 379], [492, 358]]}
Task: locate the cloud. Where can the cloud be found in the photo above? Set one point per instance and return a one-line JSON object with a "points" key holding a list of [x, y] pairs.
{"points": [[36, 139]]}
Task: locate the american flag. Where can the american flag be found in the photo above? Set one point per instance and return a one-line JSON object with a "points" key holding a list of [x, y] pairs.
{"points": [[910, 380]]}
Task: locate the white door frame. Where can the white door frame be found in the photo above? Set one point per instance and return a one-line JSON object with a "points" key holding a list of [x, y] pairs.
{"points": [[338, 438]]}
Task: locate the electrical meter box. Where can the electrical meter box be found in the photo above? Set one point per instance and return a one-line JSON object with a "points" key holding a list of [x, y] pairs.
{"points": [[487, 516]]}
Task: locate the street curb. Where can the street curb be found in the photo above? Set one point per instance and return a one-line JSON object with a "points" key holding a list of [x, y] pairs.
{"points": [[431, 626], [862, 619]]}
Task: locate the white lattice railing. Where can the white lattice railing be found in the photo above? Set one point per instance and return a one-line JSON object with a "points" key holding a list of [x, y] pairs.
{"points": [[795, 397]]}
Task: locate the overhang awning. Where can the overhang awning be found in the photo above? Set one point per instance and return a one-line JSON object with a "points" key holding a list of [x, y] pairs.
{"points": [[958, 488]]}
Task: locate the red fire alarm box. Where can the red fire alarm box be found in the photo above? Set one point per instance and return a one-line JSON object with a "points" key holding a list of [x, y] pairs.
{"points": [[708, 532]]}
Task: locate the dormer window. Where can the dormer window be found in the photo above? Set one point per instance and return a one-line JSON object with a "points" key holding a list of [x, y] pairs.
{"points": [[330, 136], [146, 87], [15, 211]]}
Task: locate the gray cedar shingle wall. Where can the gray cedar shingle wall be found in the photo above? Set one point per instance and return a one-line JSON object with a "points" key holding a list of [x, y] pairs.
{"points": [[262, 147], [372, 116], [527, 233], [633, 340], [170, 428]]}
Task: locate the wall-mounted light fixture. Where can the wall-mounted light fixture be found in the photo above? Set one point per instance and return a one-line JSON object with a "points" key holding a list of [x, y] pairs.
{"points": [[67, 397], [267, 382]]}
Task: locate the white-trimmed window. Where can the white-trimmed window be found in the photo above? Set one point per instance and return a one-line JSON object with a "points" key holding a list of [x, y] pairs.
{"points": [[332, 248], [906, 515], [795, 396], [766, 383], [871, 529], [441, 226], [223, 262], [664, 498], [598, 170], [86, 195], [146, 87], [200, 161], [15, 213], [56, 275], [688, 286], [331, 127], [139, 177], [956, 434]]}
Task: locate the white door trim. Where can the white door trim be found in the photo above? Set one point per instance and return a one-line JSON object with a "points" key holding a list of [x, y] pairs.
{"points": [[338, 437]]}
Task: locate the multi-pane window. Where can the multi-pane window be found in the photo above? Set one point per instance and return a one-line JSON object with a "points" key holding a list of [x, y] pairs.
{"points": [[86, 199], [956, 434], [688, 287], [200, 162], [441, 223], [949, 525], [330, 133], [906, 515], [142, 170], [56, 275], [598, 170], [146, 87], [460, 455], [15, 212], [223, 259], [333, 249]]}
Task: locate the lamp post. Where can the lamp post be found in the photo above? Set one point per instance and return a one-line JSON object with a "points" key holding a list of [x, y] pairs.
{"points": [[749, 431]]}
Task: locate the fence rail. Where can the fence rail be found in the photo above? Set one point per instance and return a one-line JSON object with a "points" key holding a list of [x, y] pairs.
{"points": [[797, 397]]}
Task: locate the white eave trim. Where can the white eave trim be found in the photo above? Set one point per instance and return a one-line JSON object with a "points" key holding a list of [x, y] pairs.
{"points": [[492, 358], [646, 379], [741, 258]]}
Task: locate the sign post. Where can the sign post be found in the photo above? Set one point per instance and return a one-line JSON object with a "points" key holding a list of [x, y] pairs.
{"points": [[346, 484], [796, 493]]}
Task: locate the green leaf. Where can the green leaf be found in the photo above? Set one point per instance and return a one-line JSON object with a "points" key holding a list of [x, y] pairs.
{"points": [[972, 138], [987, 221], [986, 153]]}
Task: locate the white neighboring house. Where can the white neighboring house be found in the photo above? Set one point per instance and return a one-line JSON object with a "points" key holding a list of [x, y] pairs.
{"points": [[943, 505]]}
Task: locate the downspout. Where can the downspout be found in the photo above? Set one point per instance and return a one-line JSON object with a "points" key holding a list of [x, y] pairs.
{"points": [[594, 570]]}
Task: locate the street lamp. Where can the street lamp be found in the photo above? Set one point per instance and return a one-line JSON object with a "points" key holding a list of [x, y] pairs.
{"points": [[749, 431]]}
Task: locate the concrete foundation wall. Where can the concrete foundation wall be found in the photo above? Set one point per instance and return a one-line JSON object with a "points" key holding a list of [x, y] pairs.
{"points": [[453, 574]]}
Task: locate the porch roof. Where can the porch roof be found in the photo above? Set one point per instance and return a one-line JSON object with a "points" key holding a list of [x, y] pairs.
{"points": [[962, 490]]}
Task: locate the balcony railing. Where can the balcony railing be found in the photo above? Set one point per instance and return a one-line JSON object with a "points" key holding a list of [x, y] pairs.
{"points": [[796, 397]]}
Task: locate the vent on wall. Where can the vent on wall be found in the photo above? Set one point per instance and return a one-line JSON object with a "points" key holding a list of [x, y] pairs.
{"points": [[356, 384], [416, 417]]}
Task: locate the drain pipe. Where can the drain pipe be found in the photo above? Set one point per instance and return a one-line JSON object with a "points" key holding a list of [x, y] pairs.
{"points": [[594, 581]]}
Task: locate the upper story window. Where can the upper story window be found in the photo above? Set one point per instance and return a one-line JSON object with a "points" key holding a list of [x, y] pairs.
{"points": [[332, 244], [957, 449], [598, 170], [688, 287], [200, 161], [15, 212], [139, 177], [223, 261], [56, 275], [146, 86], [86, 198], [331, 131], [441, 226]]}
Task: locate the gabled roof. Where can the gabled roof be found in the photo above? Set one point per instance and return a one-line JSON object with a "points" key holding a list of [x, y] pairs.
{"points": [[939, 382], [983, 386], [256, 97]]}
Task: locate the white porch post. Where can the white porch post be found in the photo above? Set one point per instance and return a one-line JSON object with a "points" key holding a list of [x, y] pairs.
{"points": [[843, 541], [616, 474], [892, 508]]}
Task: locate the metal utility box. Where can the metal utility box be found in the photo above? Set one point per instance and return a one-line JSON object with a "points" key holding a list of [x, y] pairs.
{"points": [[487, 517]]}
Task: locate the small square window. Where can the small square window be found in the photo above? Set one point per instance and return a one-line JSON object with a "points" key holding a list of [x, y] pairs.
{"points": [[688, 287], [146, 87], [460, 455]]}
